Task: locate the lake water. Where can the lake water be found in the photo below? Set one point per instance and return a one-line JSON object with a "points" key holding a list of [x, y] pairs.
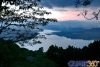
{"points": [[74, 33], [59, 41]]}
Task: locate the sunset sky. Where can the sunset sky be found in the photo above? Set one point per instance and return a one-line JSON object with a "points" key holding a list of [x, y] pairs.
{"points": [[64, 10]]}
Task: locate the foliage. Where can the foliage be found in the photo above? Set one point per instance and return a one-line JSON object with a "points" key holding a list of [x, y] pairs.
{"points": [[19, 21], [63, 56], [83, 2], [11, 55], [85, 12]]}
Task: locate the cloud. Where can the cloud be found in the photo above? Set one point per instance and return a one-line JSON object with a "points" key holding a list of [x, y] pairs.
{"points": [[57, 3], [63, 14], [65, 3], [96, 3], [67, 25], [64, 10]]}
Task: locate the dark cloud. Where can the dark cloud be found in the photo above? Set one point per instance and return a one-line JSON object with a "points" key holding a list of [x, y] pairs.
{"points": [[96, 3], [65, 3], [58, 3]]}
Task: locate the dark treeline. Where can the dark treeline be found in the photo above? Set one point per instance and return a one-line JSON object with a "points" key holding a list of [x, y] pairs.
{"points": [[11, 55], [63, 56]]}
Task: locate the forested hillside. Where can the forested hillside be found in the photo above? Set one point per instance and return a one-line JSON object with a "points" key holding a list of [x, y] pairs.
{"points": [[11, 55]]}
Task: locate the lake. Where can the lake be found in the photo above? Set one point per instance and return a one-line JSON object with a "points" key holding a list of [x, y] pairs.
{"points": [[74, 33]]}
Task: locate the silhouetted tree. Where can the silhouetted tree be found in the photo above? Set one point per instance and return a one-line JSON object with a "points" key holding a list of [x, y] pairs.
{"points": [[93, 50], [20, 22], [11, 55], [85, 12], [83, 2], [63, 56]]}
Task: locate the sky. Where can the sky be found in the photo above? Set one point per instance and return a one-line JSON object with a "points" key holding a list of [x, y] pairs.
{"points": [[64, 10]]}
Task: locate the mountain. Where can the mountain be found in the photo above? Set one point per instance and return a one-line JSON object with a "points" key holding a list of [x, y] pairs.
{"points": [[76, 29], [72, 24], [79, 33]]}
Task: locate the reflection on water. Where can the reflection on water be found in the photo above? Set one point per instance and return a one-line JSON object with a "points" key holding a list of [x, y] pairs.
{"points": [[59, 41]]}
